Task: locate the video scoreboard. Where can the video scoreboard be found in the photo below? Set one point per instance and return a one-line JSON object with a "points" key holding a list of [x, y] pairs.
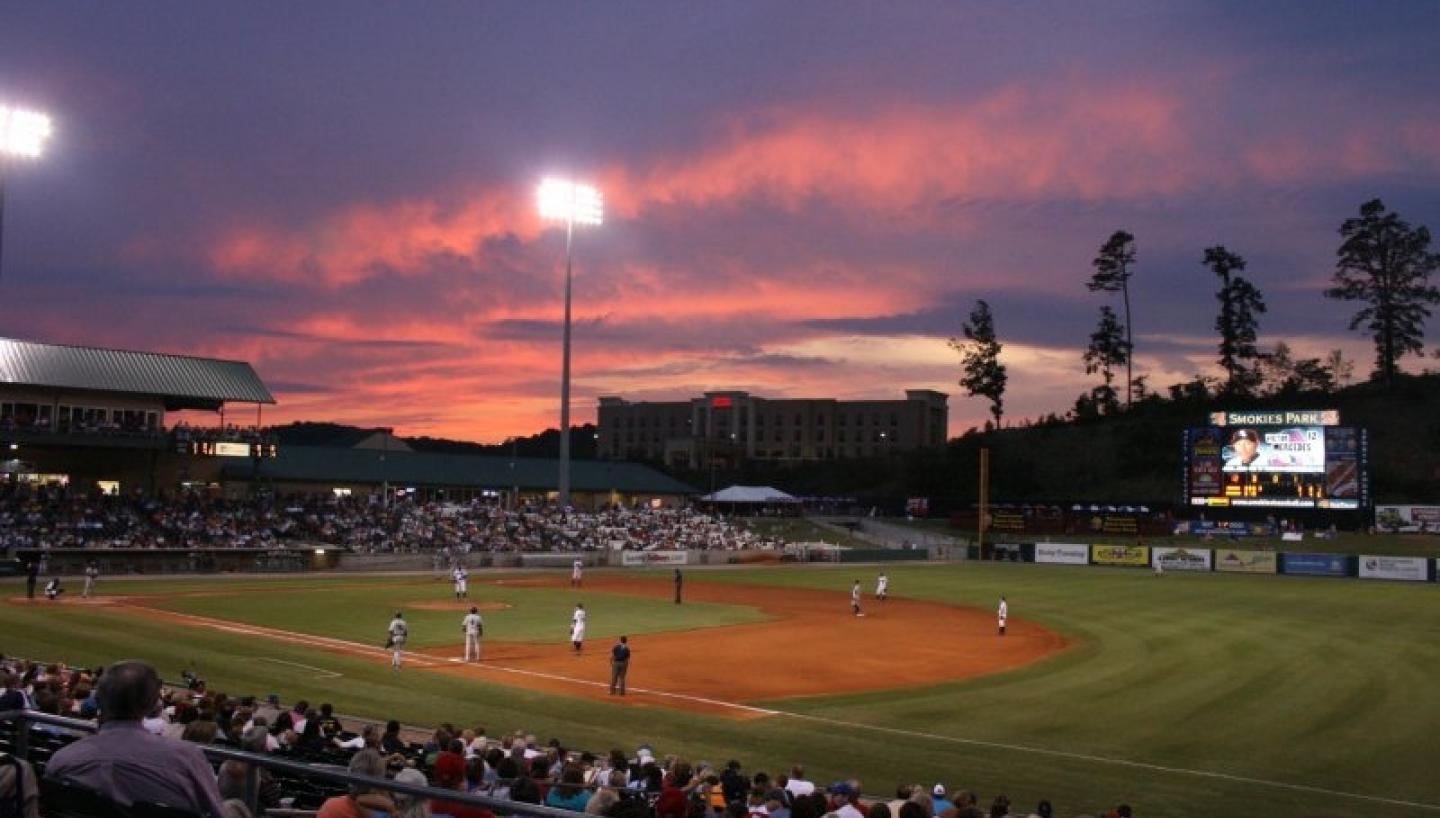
{"points": [[1281, 459], [230, 448]]}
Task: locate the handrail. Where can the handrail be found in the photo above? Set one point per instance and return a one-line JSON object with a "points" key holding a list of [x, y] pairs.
{"points": [[24, 718]]}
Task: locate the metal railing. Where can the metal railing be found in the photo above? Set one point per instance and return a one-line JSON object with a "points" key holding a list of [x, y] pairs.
{"points": [[23, 719]]}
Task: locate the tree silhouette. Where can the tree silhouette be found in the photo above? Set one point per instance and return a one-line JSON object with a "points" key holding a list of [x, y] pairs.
{"points": [[1386, 264], [1112, 274], [984, 375], [1107, 351], [1240, 301]]}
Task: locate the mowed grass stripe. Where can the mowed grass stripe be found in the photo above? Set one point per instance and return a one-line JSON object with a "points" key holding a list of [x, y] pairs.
{"points": [[1308, 682]]}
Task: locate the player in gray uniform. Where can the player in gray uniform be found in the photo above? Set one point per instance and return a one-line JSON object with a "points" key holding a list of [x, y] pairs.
{"points": [[473, 627], [397, 631]]}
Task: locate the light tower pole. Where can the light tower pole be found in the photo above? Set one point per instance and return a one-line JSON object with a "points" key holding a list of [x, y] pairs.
{"points": [[574, 204]]}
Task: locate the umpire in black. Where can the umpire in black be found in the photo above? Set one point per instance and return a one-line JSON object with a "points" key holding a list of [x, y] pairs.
{"points": [[619, 664]]}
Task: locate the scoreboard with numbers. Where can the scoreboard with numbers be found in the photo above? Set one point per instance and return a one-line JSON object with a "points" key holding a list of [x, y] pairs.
{"points": [[1279, 459], [231, 448]]}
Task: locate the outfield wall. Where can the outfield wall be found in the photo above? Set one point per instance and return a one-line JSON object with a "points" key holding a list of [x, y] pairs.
{"points": [[1218, 560]]}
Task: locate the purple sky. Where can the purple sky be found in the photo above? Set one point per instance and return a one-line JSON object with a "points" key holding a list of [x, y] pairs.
{"points": [[803, 199]]}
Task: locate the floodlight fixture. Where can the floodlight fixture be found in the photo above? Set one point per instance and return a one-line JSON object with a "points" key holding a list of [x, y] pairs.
{"points": [[23, 133], [571, 202]]}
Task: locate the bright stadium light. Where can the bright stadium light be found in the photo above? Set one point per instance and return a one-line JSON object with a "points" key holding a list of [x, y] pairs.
{"points": [[23, 135], [573, 204], [570, 202]]}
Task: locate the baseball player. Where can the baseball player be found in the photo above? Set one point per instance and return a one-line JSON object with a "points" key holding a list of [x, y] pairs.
{"points": [[92, 573], [575, 573], [53, 589], [577, 627], [396, 642], [473, 628], [855, 599], [462, 585], [1002, 613], [882, 587]]}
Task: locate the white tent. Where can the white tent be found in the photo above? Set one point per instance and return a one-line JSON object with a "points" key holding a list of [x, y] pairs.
{"points": [[749, 494]]}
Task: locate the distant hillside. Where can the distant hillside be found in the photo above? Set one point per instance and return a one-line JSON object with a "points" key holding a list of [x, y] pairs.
{"points": [[337, 435], [1132, 457]]}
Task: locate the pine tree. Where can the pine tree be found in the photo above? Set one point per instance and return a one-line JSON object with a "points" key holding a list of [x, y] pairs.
{"points": [[984, 375], [1386, 264], [1240, 301], [1112, 274], [1107, 351]]}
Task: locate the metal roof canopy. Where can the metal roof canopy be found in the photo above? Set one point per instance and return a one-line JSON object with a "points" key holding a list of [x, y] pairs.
{"points": [[323, 464], [183, 382]]}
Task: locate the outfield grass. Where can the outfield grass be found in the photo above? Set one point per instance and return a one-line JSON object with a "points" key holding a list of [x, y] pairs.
{"points": [[1187, 695]]}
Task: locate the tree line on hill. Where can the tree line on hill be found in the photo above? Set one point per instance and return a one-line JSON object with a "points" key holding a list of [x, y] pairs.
{"points": [[1383, 264]]}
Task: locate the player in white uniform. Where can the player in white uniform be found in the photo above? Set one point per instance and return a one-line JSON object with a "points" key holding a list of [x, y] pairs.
{"points": [[577, 628], [575, 573], [855, 599], [473, 627], [92, 573], [882, 588], [397, 631], [1002, 613], [462, 585]]}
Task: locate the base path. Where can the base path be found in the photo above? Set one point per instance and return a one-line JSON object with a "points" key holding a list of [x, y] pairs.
{"points": [[812, 646]]}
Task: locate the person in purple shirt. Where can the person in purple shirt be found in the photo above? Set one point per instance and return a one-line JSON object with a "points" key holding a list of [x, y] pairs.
{"points": [[126, 763]]}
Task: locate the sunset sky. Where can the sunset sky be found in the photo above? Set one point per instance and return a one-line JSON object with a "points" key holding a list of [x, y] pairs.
{"points": [[804, 199]]}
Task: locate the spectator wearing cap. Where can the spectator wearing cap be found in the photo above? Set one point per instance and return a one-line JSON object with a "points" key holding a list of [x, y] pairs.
{"points": [[938, 802], [124, 762], [845, 799], [450, 774]]}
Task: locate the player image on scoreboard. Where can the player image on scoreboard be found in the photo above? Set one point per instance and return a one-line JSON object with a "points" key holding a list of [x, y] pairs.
{"points": [[1294, 450]]}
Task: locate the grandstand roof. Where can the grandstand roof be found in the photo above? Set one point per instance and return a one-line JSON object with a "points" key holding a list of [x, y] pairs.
{"points": [[320, 464], [184, 382]]}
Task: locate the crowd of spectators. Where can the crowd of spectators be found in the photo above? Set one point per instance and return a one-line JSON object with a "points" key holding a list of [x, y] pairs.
{"points": [[513, 767], [65, 517]]}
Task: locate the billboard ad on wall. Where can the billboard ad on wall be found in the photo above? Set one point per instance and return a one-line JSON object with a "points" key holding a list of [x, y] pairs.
{"points": [[632, 559], [1408, 519], [1237, 561], [1181, 559], [1410, 569], [1131, 555], [1060, 553], [1315, 565]]}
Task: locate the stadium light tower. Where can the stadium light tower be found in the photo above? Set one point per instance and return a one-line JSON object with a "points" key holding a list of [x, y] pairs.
{"points": [[22, 134], [574, 204]]}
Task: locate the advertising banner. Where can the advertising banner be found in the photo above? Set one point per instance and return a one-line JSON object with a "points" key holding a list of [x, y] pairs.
{"points": [[1412, 519], [1411, 569], [1136, 555], [1224, 528], [1315, 565], [1181, 559], [1062, 553], [632, 559], [1244, 562]]}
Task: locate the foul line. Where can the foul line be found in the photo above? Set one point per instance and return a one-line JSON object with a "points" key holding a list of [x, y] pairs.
{"points": [[1119, 762], [591, 683], [291, 636], [285, 636], [320, 672]]}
